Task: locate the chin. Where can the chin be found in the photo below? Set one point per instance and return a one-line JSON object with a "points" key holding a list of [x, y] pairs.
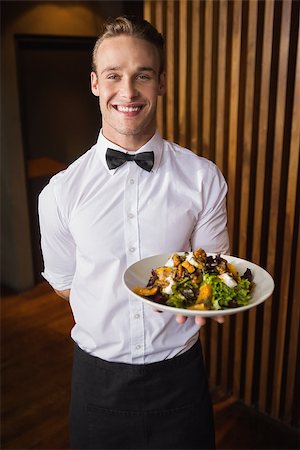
{"points": [[133, 131]]}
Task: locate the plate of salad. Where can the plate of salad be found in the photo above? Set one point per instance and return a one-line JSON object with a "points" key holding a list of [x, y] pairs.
{"points": [[198, 283]]}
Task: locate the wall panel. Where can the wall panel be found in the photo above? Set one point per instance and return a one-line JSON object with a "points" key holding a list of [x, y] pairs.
{"points": [[233, 95]]}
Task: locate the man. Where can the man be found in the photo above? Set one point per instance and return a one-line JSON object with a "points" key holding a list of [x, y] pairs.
{"points": [[138, 376]]}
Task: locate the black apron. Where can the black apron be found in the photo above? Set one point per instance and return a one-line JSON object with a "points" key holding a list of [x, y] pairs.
{"points": [[163, 405]]}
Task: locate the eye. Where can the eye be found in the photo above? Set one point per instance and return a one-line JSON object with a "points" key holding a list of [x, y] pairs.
{"points": [[143, 76], [113, 76]]}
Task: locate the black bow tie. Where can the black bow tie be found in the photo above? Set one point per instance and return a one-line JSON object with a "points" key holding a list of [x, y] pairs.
{"points": [[115, 159]]}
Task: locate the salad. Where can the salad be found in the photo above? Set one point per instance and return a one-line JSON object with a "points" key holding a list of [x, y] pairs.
{"points": [[196, 281]]}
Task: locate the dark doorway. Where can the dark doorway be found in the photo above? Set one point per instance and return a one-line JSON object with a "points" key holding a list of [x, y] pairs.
{"points": [[60, 115]]}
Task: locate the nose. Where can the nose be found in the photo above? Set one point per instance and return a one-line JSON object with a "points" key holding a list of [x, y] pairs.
{"points": [[128, 88]]}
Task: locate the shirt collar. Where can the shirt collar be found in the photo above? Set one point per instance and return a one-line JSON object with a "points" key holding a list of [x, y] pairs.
{"points": [[155, 144]]}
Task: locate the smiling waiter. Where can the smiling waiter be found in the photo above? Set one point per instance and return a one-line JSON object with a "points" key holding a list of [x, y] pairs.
{"points": [[138, 380]]}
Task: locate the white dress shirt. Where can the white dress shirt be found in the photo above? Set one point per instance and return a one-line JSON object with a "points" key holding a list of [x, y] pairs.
{"points": [[95, 222]]}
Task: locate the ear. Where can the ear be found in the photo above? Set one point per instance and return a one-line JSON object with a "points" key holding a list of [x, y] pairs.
{"points": [[94, 84], [162, 83]]}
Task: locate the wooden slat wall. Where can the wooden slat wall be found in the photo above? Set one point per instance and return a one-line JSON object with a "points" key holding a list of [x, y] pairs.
{"points": [[233, 95]]}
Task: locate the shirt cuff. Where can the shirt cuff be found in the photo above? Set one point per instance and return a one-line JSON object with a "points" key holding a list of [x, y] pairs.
{"points": [[60, 285]]}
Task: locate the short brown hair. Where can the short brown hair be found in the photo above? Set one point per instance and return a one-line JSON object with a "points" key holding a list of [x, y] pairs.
{"points": [[135, 27]]}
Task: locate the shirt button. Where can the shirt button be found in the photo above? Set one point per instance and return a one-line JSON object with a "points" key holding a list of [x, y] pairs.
{"points": [[136, 316], [130, 215], [137, 347], [131, 181], [132, 249]]}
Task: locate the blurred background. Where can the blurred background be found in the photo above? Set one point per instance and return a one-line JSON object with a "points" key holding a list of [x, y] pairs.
{"points": [[233, 96]]}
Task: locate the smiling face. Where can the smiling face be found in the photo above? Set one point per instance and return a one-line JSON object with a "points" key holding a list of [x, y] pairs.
{"points": [[128, 84]]}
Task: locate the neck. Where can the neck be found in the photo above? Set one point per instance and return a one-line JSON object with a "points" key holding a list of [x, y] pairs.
{"points": [[130, 143]]}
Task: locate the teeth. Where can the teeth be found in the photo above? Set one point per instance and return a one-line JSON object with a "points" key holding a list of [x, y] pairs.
{"points": [[128, 108]]}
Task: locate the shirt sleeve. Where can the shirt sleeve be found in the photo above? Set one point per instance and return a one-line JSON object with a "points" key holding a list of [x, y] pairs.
{"points": [[210, 232], [57, 244]]}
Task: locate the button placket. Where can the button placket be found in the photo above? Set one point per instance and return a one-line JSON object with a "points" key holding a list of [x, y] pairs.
{"points": [[131, 233], [130, 215]]}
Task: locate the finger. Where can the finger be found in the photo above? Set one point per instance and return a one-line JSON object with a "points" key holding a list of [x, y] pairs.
{"points": [[219, 319], [180, 319], [200, 321]]}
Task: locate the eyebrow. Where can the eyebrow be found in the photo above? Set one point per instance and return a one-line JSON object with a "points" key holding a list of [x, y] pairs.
{"points": [[146, 69], [139, 69], [108, 69]]}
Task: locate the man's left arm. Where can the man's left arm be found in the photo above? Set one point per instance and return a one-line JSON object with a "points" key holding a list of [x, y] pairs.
{"points": [[210, 232]]}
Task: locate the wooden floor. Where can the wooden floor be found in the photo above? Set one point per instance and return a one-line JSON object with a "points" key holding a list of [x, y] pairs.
{"points": [[36, 353]]}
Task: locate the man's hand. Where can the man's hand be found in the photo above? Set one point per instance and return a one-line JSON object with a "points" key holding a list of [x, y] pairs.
{"points": [[199, 320], [64, 294]]}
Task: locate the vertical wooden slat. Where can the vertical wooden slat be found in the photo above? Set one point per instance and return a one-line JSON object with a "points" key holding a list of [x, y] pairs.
{"points": [[225, 355], [294, 336], [207, 75], [195, 117], [170, 68], [213, 375], [220, 119], [233, 114], [275, 190], [263, 128], [247, 135], [183, 64], [148, 10], [159, 25]]}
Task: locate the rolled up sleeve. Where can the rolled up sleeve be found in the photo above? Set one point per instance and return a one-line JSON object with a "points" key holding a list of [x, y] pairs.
{"points": [[57, 244]]}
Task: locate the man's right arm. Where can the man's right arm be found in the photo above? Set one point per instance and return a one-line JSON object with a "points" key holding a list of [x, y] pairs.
{"points": [[57, 243]]}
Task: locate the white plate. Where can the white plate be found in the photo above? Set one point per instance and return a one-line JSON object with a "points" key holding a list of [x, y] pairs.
{"points": [[138, 274]]}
